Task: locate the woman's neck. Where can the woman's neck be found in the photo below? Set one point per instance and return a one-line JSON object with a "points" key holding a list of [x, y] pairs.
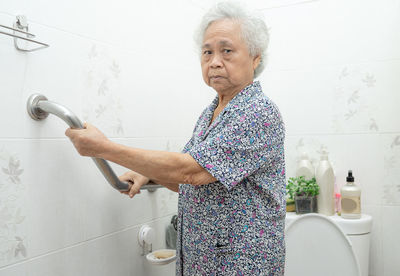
{"points": [[224, 97]]}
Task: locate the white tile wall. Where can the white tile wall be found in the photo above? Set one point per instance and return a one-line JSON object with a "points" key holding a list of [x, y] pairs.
{"points": [[11, 7], [58, 215], [360, 98], [55, 73], [333, 32], [131, 69], [391, 239], [332, 72], [41, 217], [114, 254], [12, 67]]}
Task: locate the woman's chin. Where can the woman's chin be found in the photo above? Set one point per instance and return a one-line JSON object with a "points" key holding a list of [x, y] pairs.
{"points": [[218, 85]]}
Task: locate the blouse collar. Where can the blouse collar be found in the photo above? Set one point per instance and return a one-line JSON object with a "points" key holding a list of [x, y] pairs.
{"points": [[246, 92], [241, 98]]}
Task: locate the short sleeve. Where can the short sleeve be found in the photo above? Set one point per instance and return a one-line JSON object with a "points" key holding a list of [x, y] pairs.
{"points": [[245, 143]]}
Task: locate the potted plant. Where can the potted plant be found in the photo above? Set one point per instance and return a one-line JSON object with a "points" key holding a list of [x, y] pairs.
{"points": [[304, 193]]}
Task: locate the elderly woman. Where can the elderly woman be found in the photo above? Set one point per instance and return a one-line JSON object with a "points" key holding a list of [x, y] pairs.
{"points": [[231, 174]]}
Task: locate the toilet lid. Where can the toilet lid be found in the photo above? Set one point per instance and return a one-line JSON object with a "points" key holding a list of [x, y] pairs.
{"points": [[315, 245]]}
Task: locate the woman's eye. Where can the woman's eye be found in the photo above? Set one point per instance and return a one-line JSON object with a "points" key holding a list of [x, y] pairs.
{"points": [[207, 52], [227, 51]]}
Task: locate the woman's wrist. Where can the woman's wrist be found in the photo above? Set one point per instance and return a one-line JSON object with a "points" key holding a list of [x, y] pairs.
{"points": [[140, 178], [108, 150], [145, 180]]}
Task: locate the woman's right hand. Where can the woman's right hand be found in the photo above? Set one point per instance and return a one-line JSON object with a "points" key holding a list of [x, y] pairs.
{"points": [[135, 180]]}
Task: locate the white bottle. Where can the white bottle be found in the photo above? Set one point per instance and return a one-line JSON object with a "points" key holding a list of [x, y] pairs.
{"points": [[326, 181], [304, 167], [351, 195]]}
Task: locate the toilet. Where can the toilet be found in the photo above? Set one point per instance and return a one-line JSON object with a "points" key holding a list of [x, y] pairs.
{"points": [[327, 245]]}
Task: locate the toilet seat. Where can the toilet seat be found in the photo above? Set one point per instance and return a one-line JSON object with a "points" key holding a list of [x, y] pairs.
{"points": [[316, 246]]}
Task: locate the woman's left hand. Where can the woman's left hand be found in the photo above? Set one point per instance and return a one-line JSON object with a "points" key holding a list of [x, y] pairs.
{"points": [[88, 141], [135, 180]]}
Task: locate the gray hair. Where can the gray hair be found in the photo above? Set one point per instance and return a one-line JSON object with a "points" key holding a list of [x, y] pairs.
{"points": [[254, 30]]}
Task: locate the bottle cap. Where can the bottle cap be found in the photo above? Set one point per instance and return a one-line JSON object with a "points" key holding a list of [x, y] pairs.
{"points": [[350, 177], [324, 154]]}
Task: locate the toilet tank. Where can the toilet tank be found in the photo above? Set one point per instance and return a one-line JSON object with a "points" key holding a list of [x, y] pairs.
{"points": [[357, 230]]}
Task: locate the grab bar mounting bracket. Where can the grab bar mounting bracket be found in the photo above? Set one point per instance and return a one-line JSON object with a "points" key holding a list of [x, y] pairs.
{"points": [[32, 106]]}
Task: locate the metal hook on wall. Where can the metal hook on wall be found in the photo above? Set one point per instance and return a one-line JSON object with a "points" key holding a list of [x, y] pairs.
{"points": [[21, 26]]}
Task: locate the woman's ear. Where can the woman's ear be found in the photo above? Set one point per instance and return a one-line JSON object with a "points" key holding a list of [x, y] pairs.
{"points": [[256, 61]]}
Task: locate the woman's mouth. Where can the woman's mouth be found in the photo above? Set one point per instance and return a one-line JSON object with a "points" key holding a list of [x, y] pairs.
{"points": [[214, 78]]}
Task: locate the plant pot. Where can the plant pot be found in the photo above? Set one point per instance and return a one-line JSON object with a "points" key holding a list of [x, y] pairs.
{"points": [[290, 206], [305, 204]]}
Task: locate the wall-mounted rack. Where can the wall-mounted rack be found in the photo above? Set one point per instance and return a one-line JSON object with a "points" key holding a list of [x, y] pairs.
{"points": [[21, 26]]}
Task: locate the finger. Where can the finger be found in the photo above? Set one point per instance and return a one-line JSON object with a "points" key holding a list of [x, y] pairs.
{"points": [[126, 177], [128, 190], [68, 132], [135, 189]]}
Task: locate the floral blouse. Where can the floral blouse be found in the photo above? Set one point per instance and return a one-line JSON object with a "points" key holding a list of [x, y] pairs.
{"points": [[235, 226]]}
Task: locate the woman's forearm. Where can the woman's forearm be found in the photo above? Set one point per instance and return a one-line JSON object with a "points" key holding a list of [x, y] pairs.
{"points": [[162, 166], [171, 186], [165, 168]]}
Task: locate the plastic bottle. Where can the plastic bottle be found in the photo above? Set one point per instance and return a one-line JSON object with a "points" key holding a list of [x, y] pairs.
{"points": [[304, 167], [351, 198], [326, 181], [338, 199]]}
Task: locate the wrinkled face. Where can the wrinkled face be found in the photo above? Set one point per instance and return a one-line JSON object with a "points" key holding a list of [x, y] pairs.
{"points": [[226, 63]]}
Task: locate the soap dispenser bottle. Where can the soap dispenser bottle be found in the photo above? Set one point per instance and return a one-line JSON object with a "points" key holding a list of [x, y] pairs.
{"points": [[351, 198], [326, 181], [304, 167]]}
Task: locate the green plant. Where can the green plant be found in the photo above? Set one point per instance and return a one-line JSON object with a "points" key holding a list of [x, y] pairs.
{"points": [[299, 186], [290, 188]]}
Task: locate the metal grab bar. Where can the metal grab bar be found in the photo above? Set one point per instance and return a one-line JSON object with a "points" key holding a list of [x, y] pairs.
{"points": [[39, 108]]}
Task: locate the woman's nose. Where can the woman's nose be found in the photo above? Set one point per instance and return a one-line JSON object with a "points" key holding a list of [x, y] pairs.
{"points": [[216, 61]]}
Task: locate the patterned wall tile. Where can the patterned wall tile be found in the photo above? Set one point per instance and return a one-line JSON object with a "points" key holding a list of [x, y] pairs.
{"points": [[13, 246], [354, 101], [391, 177], [101, 91]]}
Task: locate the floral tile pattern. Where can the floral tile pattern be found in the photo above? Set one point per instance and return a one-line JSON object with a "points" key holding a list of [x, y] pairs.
{"points": [[12, 215], [354, 106], [101, 101], [391, 186]]}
